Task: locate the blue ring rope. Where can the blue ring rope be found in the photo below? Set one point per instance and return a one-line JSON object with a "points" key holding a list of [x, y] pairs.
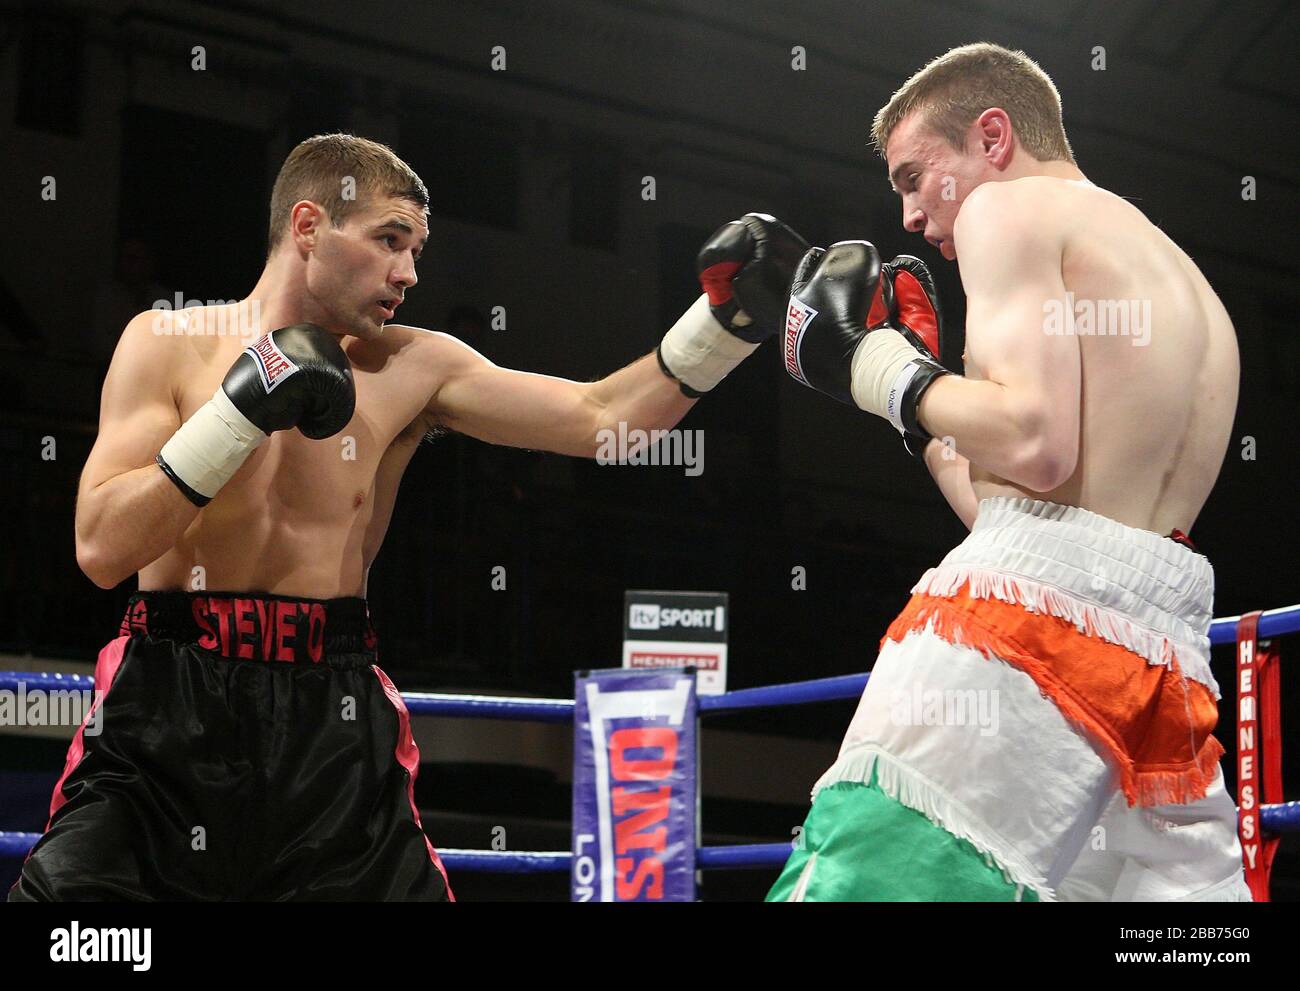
{"points": [[1282, 818]]}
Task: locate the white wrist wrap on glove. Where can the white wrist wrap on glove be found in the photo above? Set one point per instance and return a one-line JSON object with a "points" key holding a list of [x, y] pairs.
{"points": [[211, 445], [699, 351], [883, 365]]}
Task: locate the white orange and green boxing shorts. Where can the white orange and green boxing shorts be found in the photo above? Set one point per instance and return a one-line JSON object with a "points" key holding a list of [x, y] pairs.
{"points": [[1038, 726]]}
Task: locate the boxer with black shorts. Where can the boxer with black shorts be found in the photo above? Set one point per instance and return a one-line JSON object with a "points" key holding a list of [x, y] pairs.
{"points": [[261, 682], [251, 747]]}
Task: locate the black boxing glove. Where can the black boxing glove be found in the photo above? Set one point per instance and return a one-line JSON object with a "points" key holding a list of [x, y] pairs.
{"points": [[838, 341], [292, 377], [745, 270]]}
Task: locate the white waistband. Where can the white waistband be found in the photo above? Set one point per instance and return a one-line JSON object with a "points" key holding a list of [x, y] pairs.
{"points": [[1116, 581]]}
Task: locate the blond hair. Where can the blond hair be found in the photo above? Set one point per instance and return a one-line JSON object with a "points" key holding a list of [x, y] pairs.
{"points": [[317, 168], [954, 89]]}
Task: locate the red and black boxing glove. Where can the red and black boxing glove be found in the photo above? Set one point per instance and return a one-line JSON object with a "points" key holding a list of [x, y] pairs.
{"points": [[915, 306], [839, 338], [914, 311], [745, 269]]}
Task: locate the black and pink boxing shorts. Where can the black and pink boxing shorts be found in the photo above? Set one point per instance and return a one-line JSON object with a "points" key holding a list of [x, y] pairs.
{"points": [[250, 748]]}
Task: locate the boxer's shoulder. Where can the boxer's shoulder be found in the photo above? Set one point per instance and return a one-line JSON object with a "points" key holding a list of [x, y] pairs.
{"points": [[404, 349], [400, 338], [196, 333], [434, 352], [155, 363], [415, 364], [1027, 214], [148, 344], [1028, 199]]}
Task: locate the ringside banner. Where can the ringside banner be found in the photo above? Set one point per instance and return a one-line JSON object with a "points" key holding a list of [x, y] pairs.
{"points": [[634, 791]]}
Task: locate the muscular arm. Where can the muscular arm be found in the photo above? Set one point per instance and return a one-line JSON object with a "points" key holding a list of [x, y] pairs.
{"points": [[523, 409], [128, 512], [1020, 421]]}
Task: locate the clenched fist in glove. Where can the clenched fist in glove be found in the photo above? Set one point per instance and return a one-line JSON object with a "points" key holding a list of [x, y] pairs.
{"points": [[865, 333], [745, 270]]}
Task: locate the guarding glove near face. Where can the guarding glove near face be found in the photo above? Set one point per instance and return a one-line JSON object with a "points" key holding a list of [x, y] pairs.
{"points": [[838, 338], [914, 304], [914, 311], [745, 270], [296, 376]]}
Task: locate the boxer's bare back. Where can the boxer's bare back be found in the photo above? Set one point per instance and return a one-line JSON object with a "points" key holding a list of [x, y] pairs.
{"points": [[1157, 402]]}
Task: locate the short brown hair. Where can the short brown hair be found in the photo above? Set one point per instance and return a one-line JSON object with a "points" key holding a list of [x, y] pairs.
{"points": [[958, 86], [315, 171]]}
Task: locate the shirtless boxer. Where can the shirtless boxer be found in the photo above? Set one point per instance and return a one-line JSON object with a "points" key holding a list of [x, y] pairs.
{"points": [[1038, 724], [251, 748]]}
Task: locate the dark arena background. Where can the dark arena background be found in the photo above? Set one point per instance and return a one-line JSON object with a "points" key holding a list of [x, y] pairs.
{"points": [[577, 154]]}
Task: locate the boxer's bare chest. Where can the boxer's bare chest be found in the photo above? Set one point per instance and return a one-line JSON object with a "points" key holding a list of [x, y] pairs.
{"points": [[337, 481]]}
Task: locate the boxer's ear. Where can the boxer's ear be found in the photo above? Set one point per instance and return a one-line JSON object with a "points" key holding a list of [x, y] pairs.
{"points": [[306, 221]]}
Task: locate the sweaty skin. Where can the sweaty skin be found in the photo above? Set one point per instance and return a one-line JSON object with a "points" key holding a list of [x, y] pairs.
{"points": [[1132, 426], [300, 517]]}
